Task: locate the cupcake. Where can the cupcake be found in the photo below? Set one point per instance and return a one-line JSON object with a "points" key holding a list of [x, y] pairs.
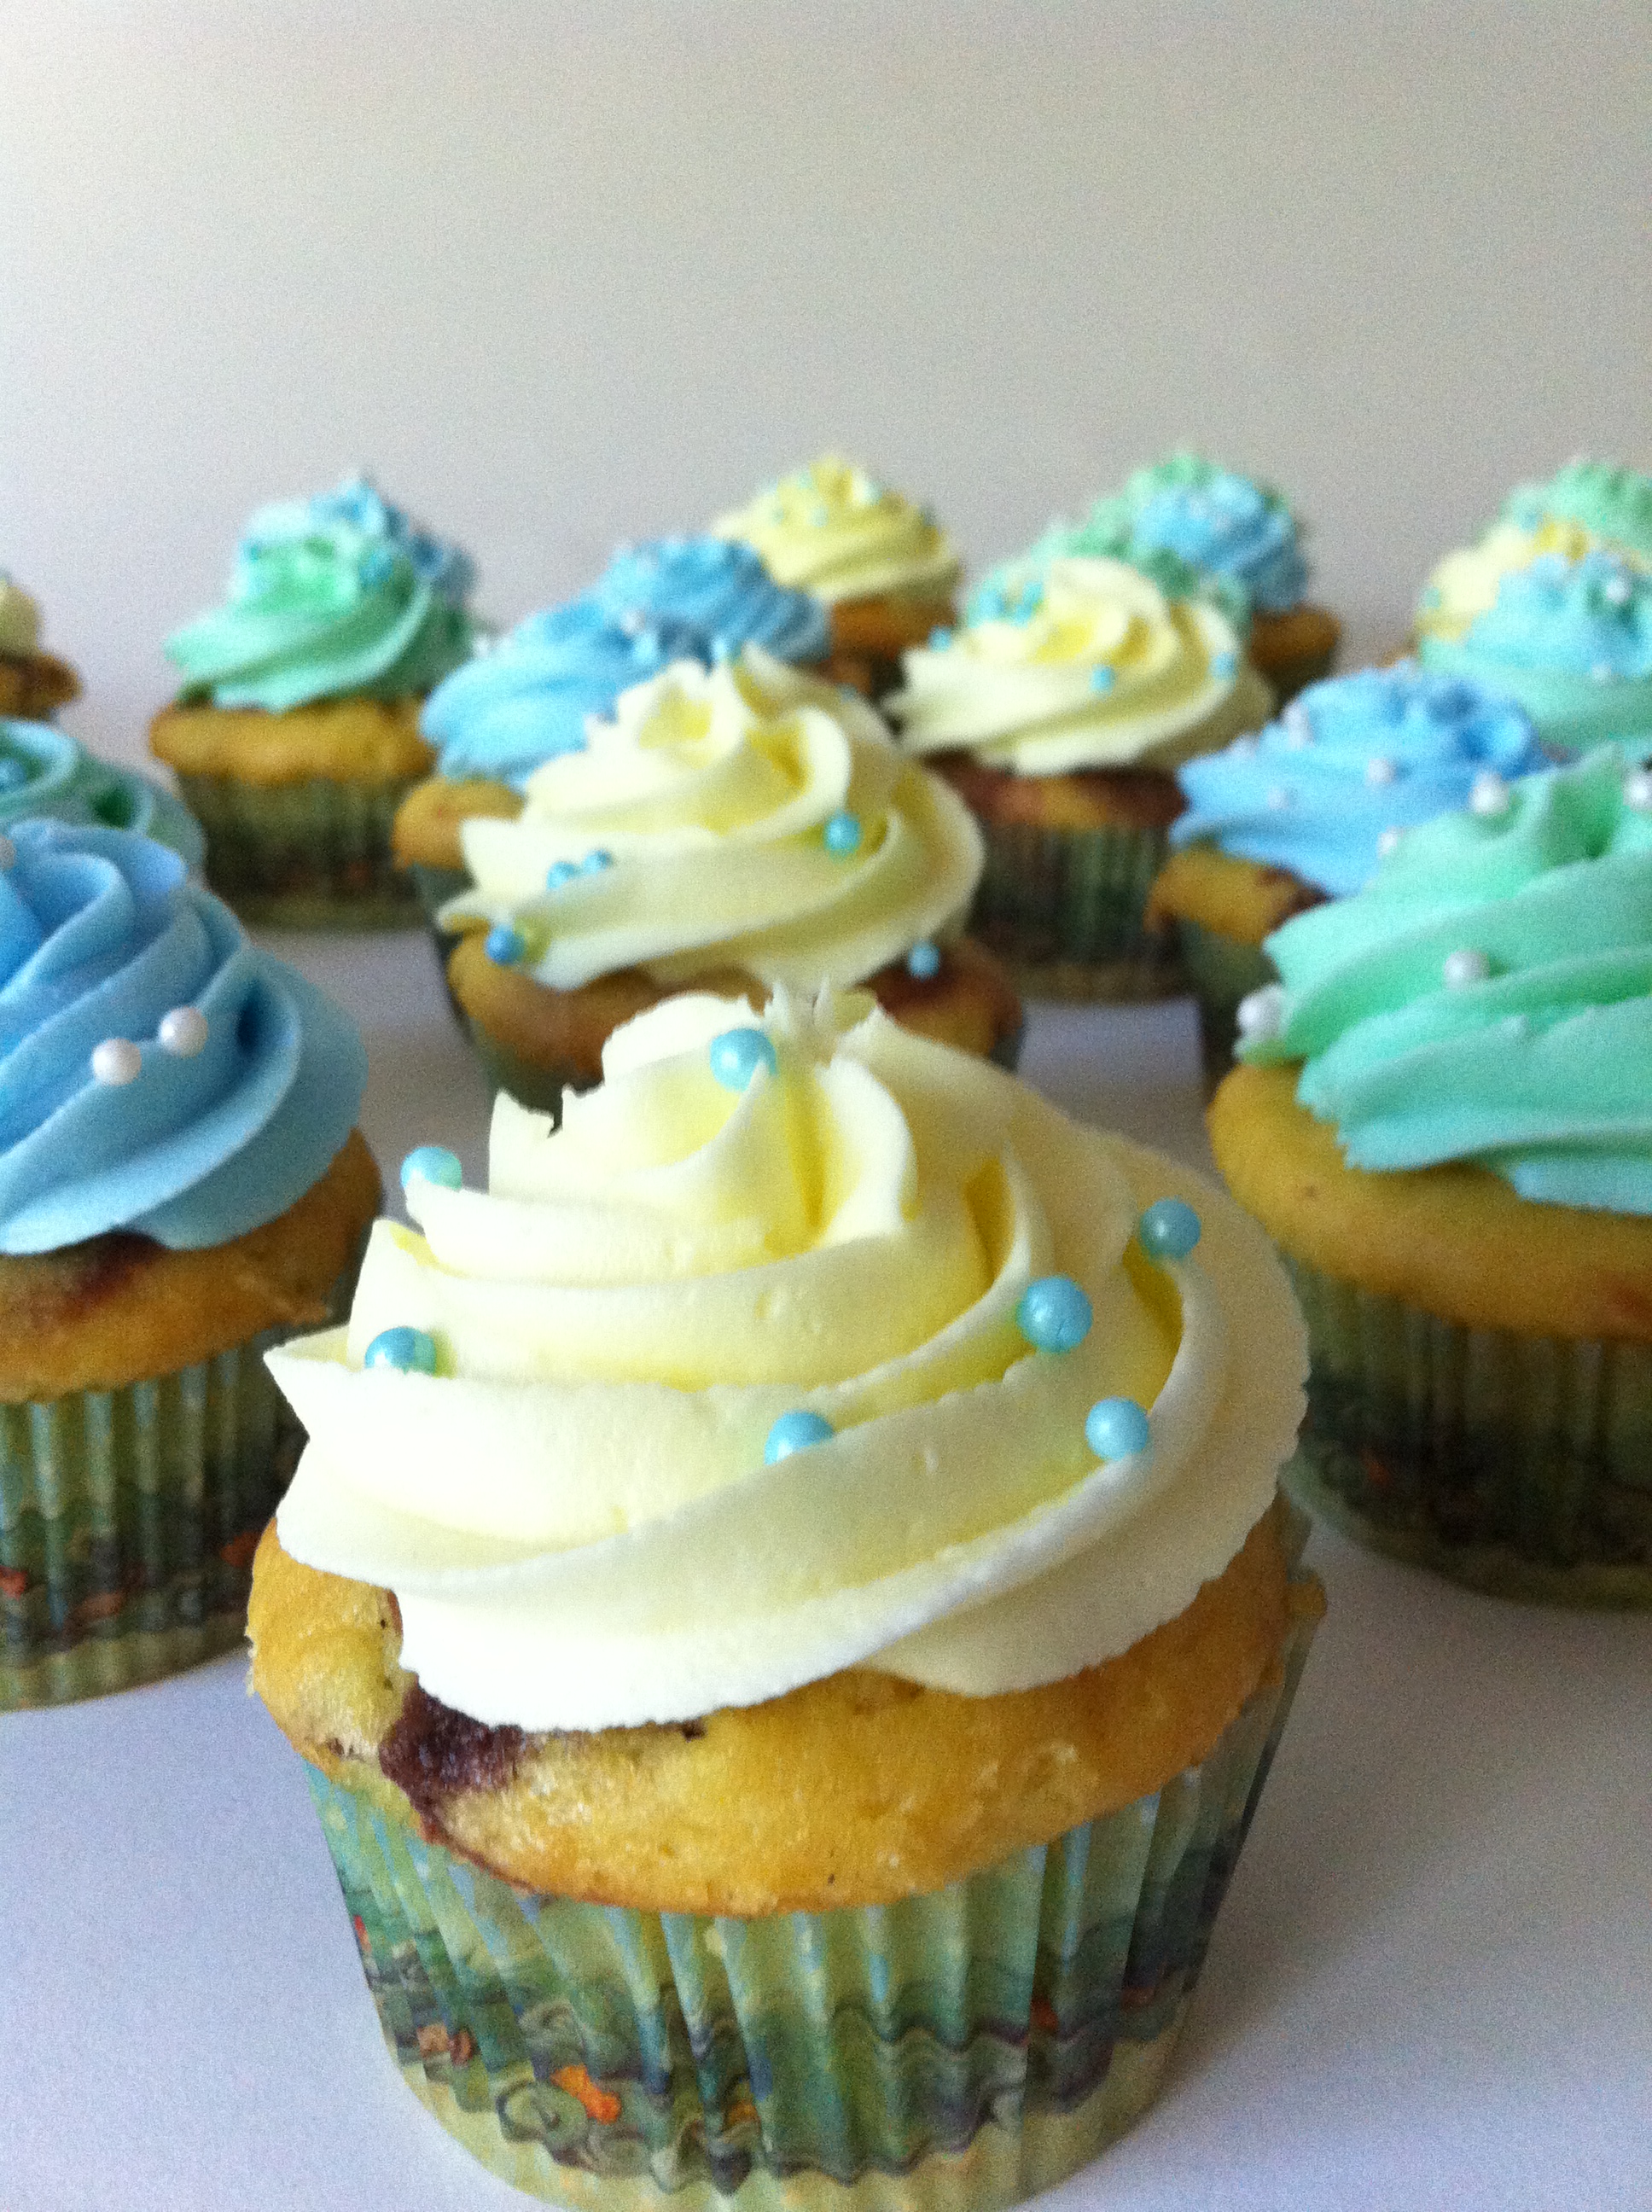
{"points": [[180, 1189], [500, 717], [741, 828], [1061, 724], [885, 568], [1444, 1126], [1275, 824], [1554, 605], [295, 734], [811, 1744], [1193, 526], [42, 771], [33, 683]]}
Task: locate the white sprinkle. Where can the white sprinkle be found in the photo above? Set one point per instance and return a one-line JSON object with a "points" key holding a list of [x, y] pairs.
{"points": [[1243, 749], [1279, 800], [1380, 771], [8, 852], [1388, 840], [1490, 794], [183, 1031], [116, 1061], [633, 621], [1261, 1014], [1465, 967], [1637, 790], [1601, 672], [1617, 591], [1298, 729]]}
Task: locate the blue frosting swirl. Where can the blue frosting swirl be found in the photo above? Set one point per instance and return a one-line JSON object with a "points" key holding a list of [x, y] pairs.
{"points": [[514, 707], [44, 771], [1591, 617], [445, 568], [1350, 758], [1223, 524], [102, 935]]}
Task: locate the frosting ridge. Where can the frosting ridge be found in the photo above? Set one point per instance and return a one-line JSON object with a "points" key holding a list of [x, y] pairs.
{"points": [[831, 529], [43, 771]]}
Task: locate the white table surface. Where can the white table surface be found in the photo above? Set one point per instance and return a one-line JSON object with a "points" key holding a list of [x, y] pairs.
{"points": [[1429, 1986]]}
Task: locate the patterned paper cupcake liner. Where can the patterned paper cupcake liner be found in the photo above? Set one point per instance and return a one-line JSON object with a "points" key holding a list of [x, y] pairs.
{"points": [[1517, 1465], [1221, 971], [953, 2052], [128, 1521], [1064, 909], [313, 856]]}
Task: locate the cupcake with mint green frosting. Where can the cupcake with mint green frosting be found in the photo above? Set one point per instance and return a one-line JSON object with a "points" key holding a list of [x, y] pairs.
{"points": [[42, 771], [1444, 1119], [180, 1186], [295, 733], [1304, 811]]}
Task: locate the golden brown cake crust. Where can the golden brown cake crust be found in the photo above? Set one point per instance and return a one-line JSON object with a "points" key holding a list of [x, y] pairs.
{"points": [[357, 740], [1088, 799], [1455, 1240], [1241, 899], [115, 1308], [883, 627], [426, 830], [970, 1004], [34, 685], [858, 1789], [1295, 647]]}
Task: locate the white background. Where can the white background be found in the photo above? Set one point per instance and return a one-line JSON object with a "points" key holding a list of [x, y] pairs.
{"points": [[562, 275]]}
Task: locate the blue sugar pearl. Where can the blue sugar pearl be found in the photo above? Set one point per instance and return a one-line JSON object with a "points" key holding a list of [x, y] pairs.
{"points": [[431, 1163], [1169, 1230], [939, 639], [842, 831], [796, 1433], [504, 946], [1053, 1314], [923, 961], [1102, 679], [1223, 667], [558, 873], [722, 649], [594, 863], [409, 1350], [13, 774], [1116, 1427], [737, 1055]]}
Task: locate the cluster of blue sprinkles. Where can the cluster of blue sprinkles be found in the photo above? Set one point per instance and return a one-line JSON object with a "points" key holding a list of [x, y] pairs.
{"points": [[405, 1350], [504, 945], [431, 1163], [736, 1055], [796, 1431], [842, 832], [565, 871]]}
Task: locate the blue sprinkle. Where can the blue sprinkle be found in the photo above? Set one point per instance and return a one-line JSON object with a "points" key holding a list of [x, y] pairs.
{"points": [[1114, 1428], [504, 945], [1169, 1228], [1225, 667], [558, 873], [431, 1163], [737, 1055], [842, 832], [939, 639], [13, 773], [409, 1350], [796, 1433], [1103, 679], [595, 862], [1053, 1314], [722, 649], [923, 961]]}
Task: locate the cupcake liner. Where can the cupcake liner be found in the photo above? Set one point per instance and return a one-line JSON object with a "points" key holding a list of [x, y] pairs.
{"points": [[960, 2049], [129, 1518], [1222, 971], [1063, 909], [312, 855], [1519, 1465]]}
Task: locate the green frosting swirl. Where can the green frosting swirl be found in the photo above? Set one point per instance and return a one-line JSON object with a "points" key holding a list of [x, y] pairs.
{"points": [[1488, 996]]}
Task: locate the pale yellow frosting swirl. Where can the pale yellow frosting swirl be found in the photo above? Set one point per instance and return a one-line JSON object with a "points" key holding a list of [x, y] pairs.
{"points": [[832, 530], [712, 795], [1464, 586], [1097, 669], [576, 1511], [19, 620]]}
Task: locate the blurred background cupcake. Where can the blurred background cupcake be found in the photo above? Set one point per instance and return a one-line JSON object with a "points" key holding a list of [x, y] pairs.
{"points": [[812, 1743], [1304, 811], [33, 683], [885, 569], [179, 1187], [1060, 721], [294, 735], [732, 829], [1446, 1126], [43, 771]]}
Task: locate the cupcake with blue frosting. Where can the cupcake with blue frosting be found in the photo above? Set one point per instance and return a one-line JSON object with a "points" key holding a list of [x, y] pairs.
{"points": [[294, 735], [182, 1186], [1305, 810], [34, 683]]}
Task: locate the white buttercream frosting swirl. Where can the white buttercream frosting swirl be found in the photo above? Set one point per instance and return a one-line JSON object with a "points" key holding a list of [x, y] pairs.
{"points": [[746, 816], [833, 530], [576, 1511]]}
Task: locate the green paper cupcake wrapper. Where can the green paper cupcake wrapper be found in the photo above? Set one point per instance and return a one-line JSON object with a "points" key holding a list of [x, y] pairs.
{"points": [[129, 1518], [313, 855], [1518, 1465], [1063, 909], [1222, 970], [960, 2049]]}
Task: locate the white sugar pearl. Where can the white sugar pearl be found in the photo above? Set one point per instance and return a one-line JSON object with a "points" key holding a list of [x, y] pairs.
{"points": [[1388, 840], [1490, 794], [1617, 591], [1464, 967], [1380, 771], [1261, 1013], [1601, 672], [1637, 790], [1298, 730], [116, 1061], [183, 1031], [1279, 800], [1243, 749]]}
